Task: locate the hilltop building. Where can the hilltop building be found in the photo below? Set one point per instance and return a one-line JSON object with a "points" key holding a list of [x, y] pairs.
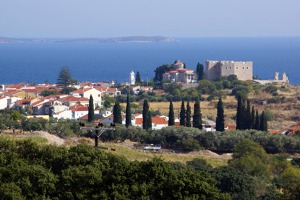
{"points": [[180, 74], [217, 69]]}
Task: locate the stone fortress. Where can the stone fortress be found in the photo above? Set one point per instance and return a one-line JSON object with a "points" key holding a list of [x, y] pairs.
{"points": [[242, 70], [217, 69]]}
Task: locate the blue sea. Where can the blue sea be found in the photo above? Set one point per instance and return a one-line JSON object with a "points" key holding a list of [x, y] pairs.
{"points": [[37, 62]]}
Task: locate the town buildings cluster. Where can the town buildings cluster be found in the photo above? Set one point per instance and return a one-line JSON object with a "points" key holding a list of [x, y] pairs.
{"points": [[25, 97], [28, 99]]}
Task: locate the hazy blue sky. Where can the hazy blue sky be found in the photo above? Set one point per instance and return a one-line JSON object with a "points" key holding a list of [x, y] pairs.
{"points": [[175, 18]]}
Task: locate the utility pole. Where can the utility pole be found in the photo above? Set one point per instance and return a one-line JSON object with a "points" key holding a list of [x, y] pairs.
{"points": [[98, 130]]}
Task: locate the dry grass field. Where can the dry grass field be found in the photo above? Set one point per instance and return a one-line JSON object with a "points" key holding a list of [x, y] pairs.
{"points": [[208, 109], [126, 150]]}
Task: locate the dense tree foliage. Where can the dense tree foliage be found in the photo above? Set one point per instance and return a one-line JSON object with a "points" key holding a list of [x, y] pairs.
{"points": [[234, 182], [64, 78], [221, 141], [49, 92], [159, 71], [206, 87], [32, 171], [9, 119], [250, 158]]}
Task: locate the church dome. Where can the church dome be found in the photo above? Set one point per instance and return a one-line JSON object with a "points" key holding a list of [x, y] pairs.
{"points": [[178, 65]]}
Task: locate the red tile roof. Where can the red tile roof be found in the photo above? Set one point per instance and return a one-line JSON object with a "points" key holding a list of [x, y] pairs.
{"points": [[82, 90], [272, 131], [159, 120], [80, 109], [17, 86], [139, 121], [72, 98]]}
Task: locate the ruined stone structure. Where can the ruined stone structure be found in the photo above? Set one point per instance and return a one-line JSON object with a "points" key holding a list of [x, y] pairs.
{"points": [[276, 81], [216, 69]]}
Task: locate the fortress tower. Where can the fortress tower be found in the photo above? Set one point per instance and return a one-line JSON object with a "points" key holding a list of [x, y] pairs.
{"points": [[217, 69]]}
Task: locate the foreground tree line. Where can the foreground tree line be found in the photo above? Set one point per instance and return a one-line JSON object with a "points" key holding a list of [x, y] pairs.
{"points": [[184, 138], [33, 171]]}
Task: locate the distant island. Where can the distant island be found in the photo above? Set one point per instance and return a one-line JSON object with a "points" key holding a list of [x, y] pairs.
{"points": [[123, 39], [9, 40], [92, 40]]}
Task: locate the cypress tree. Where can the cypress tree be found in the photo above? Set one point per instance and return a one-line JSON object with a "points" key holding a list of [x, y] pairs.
{"points": [[117, 113], [243, 111], [138, 77], [146, 115], [91, 109], [263, 126], [182, 114], [257, 124], [239, 114], [265, 123], [188, 115], [128, 112], [248, 116], [197, 117], [149, 121], [252, 118], [220, 116], [171, 121], [200, 71]]}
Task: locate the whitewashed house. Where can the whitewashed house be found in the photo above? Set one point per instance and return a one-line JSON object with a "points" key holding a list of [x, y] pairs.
{"points": [[86, 92]]}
